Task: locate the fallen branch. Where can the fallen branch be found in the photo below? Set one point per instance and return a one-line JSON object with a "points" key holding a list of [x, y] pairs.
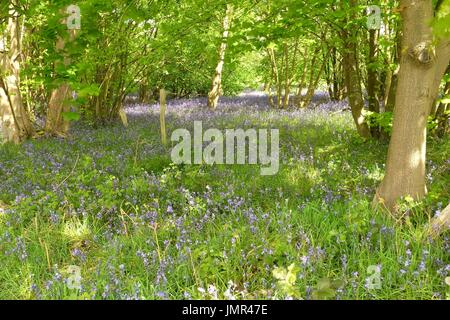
{"points": [[71, 172], [439, 224]]}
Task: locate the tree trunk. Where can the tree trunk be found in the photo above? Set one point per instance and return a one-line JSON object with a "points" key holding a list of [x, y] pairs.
{"points": [[372, 77], [303, 101], [162, 115], [287, 81], [391, 91], [277, 77], [336, 75], [302, 80], [441, 112], [313, 83], [55, 123], [394, 57], [214, 94], [144, 93], [422, 67], [16, 125], [352, 76], [440, 224]]}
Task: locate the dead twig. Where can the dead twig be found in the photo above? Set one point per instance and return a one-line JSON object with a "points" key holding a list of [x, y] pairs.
{"points": [[70, 174]]}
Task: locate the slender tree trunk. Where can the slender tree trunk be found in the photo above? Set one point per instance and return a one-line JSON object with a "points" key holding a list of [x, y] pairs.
{"points": [[314, 82], [327, 71], [287, 82], [55, 123], [354, 90], [162, 116], [303, 101], [391, 91], [144, 92], [394, 57], [352, 76], [341, 81], [372, 74], [16, 125], [302, 80], [441, 112], [270, 94], [214, 94], [422, 67], [387, 86], [337, 88], [276, 76], [372, 78]]}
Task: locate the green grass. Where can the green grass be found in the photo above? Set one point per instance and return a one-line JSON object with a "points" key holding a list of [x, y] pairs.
{"points": [[100, 202]]}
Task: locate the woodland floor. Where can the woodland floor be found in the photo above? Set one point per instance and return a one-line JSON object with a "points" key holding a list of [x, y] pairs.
{"points": [[109, 201]]}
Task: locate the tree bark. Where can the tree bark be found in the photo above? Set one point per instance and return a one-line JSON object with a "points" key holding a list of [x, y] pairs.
{"points": [[422, 67], [352, 76], [16, 125], [162, 116], [277, 77], [372, 79], [287, 80], [440, 224], [391, 89], [390, 84], [303, 101], [144, 92], [372, 74], [214, 94], [313, 83], [55, 124], [441, 112]]}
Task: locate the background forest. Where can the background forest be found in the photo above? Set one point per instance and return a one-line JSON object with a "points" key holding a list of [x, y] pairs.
{"points": [[91, 91]]}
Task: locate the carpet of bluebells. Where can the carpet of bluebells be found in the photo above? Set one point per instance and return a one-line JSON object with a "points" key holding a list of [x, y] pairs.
{"points": [[110, 202]]}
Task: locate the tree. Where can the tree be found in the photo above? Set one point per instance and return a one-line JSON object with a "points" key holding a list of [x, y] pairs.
{"points": [[55, 123], [352, 72], [16, 125], [423, 62], [214, 94], [372, 76], [442, 113]]}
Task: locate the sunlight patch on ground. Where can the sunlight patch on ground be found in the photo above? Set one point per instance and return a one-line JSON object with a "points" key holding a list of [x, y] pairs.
{"points": [[76, 230], [253, 94]]}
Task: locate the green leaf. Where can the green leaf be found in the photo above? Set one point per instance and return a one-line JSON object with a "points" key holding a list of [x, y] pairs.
{"points": [[71, 116], [324, 294], [88, 91], [279, 273], [323, 284]]}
